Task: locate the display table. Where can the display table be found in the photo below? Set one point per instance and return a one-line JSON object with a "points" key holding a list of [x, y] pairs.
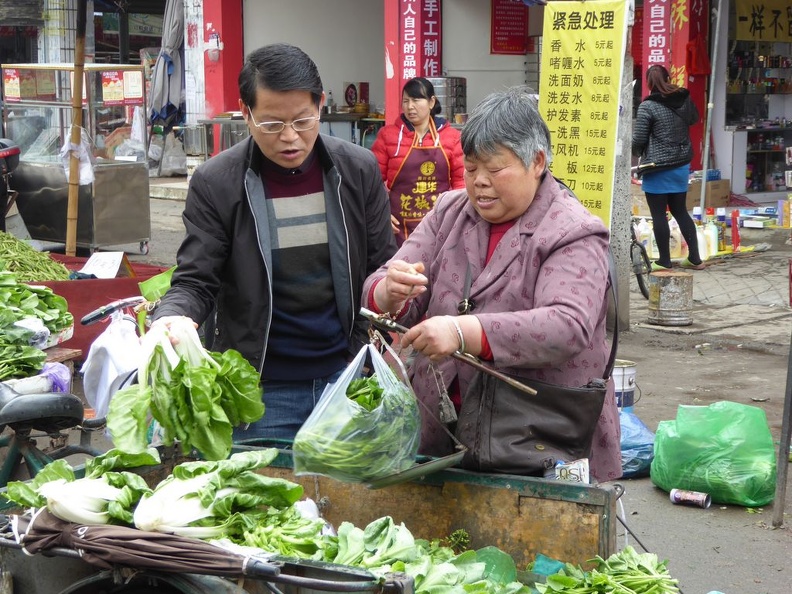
{"points": [[86, 295]]}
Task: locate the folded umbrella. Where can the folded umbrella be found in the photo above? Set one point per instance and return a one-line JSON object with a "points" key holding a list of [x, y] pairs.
{"points": [[110, 546]]}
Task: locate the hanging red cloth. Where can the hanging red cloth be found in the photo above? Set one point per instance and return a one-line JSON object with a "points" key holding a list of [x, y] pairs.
{"points": [[698, 61]]}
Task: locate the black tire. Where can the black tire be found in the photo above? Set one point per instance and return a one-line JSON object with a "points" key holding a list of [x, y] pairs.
{"points": [[642, 266]]}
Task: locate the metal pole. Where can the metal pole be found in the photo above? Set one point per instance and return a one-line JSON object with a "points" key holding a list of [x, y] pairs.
{"points": [[782, 464], [710, 106], [76, 130]]}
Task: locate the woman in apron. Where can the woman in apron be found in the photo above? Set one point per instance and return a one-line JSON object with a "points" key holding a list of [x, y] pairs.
{"points": [[420, 157]]}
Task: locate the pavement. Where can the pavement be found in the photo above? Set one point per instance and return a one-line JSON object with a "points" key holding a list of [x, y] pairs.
{"points": [[735, 348]]}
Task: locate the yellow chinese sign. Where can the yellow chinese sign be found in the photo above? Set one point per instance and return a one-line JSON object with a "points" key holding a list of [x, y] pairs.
{"points": [[764, 20], [579, 93]]}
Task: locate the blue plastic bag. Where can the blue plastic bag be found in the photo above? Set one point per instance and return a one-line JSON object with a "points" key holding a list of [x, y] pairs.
{"points": [[637, 446]]}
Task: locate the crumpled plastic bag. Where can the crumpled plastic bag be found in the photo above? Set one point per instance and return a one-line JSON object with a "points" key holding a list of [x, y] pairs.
{"points": [[724, 449], [637, 445], [114, 353], [84, 154], [59, 376]]}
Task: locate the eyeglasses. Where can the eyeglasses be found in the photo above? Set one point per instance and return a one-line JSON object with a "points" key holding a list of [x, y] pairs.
{"points": [[300, 125]]}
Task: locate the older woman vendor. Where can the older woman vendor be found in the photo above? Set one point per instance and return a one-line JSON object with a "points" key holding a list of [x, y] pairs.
{"points": [[512, 269]]}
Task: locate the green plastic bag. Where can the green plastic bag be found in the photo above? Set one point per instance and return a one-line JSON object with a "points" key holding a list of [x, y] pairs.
{"points": [[724, 449]]}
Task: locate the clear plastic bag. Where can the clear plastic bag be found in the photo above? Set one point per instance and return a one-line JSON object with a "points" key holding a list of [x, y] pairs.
{"points": [[343, 440], [724, 449]]}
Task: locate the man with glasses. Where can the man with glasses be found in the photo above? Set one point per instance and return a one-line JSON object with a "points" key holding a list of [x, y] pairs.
{"points": [[282, 230]]}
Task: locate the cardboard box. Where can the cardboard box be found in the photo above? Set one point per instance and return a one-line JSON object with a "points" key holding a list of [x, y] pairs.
{"points": [[718, 193]]}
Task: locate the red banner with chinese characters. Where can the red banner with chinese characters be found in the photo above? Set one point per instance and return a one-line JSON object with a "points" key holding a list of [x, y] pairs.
{"points": [[420, 33], [656, 34], [509, 27]]}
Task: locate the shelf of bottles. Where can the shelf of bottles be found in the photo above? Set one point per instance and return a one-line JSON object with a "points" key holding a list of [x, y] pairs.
{"points": [[769, 158], [759, 68], [757, 71]]}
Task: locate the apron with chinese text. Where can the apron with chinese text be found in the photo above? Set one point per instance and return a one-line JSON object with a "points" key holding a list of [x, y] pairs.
{"points": [[424, 173]]}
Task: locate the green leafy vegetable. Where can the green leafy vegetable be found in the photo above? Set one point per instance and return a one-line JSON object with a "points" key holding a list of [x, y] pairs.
{"points": [[370, 431], [208, 499], [196, 396], [287, 532], [103, 496], [383, 547], [627, 572]]}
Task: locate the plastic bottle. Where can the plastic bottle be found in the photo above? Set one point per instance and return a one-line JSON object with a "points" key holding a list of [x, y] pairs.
{"points": [[331, 106], [711, 233], [721, 223], [735, 230], [676, 241], [697, 214], [701, 240], [646, 238]]}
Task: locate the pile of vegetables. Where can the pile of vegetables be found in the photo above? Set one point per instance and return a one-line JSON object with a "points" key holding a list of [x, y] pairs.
{"points": [[28, 316], [107, 494], [211, 499], [28, 264], [227, 502], [196, 396], [626, 572], [370, 431]]}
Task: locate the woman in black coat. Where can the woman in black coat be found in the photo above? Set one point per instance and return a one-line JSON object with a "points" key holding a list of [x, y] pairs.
{"points": [[661, 136]]}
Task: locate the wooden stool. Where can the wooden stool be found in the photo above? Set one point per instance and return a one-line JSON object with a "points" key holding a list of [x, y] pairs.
{"points": [[670, 298]]}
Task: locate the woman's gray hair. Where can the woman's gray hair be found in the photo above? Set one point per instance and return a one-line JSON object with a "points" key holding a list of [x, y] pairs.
{"points": [[507, 119]]}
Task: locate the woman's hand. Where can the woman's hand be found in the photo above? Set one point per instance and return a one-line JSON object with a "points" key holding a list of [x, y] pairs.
{"points": [[403, 281], [440, 336], [394, 224]]}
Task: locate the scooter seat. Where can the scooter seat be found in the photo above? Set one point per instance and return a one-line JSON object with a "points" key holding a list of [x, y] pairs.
{"points": [[49, 412]]}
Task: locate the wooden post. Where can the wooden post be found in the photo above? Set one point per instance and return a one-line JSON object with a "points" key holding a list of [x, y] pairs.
{"points": [[76, 130]]}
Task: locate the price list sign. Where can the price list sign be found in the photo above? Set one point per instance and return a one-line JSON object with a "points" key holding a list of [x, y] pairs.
{"points": [[584, 45]]}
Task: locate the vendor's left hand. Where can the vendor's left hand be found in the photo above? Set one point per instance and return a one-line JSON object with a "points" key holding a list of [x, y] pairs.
{"points": [[435, 337]]}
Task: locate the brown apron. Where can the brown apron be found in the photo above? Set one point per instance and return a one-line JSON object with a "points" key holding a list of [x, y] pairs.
{"points": [[424, 173]]}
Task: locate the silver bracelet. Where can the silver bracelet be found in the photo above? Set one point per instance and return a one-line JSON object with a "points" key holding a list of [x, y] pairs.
{"points": [[461, 336]]}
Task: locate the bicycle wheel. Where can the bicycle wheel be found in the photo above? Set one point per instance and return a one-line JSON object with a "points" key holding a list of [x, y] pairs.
{"points": [[642, 266]]}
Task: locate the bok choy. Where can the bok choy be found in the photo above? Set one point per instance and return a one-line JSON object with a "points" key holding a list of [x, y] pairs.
{"points": [[209, 499], [197, 396], [106, 495]]}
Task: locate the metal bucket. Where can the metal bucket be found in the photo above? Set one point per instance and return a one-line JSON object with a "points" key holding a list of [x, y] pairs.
{"points": [[670, 298], [451, 93], [624, 380]]}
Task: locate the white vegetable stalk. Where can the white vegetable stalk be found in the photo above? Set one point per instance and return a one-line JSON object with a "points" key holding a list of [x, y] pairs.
{"points": [[83, 501], [173, 506]]}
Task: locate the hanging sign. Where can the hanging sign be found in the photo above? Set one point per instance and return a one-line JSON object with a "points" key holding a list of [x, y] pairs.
{"points": [[583, 48], [45, 85], [764, 20], [120, 87], [420, 31], [656, 48], [12, 92], [509, 27]]}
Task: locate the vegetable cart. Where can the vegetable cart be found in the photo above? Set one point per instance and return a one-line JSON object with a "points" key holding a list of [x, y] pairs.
{"points": [[522, 516]]}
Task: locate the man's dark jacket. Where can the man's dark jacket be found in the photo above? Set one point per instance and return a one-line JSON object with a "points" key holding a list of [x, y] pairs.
{"points": [[661, 132], [225, 259]]}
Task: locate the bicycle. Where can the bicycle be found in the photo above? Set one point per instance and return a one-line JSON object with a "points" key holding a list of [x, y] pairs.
{"points": [[641, 264], [35, 416]]}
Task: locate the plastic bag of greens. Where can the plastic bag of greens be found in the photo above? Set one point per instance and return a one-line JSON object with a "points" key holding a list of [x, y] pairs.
{"points": [[363, 427], [724, 449]]}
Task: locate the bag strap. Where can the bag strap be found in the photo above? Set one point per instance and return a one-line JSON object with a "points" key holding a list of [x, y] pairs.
{"points": [[615, 343]]}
